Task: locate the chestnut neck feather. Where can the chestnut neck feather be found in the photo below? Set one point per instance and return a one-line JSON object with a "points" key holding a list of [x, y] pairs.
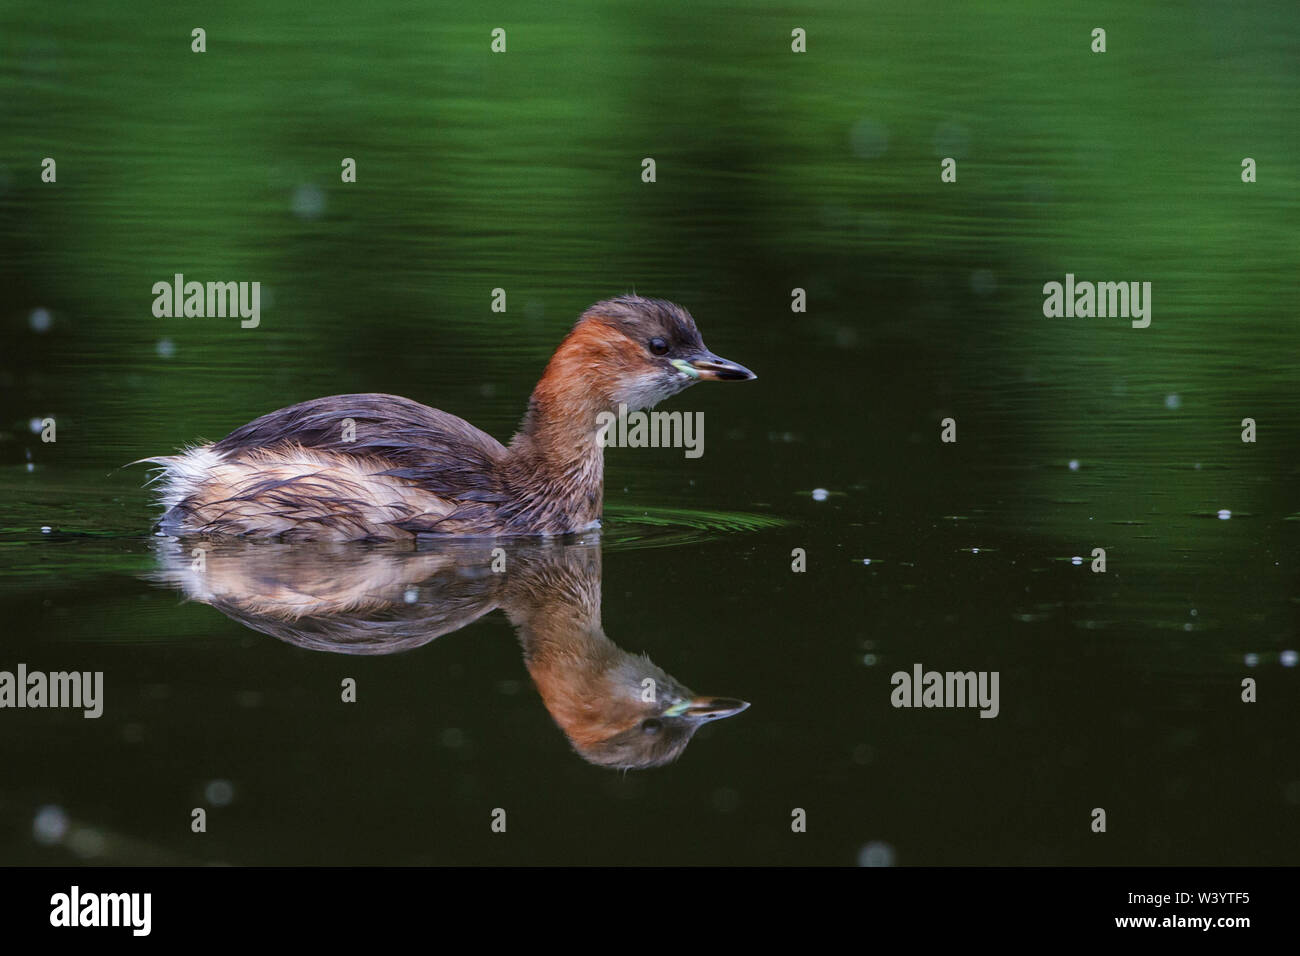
{"points": [[555, 466], [556, 611]]}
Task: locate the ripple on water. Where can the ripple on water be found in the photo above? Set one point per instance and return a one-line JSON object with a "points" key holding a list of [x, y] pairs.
{"points": [[629, 528]]}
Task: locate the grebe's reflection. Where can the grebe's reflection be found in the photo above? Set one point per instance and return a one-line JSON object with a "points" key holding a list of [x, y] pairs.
{"points": [[618, 709]]}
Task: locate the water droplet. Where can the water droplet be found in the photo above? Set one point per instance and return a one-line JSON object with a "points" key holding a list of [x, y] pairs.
{"points": [[1173, 400], [983, 282], [876, 853], [165, 348], [869, 660], [1074, 465], [1289, 658], [40, 320], [1252, 660], [411, 595], [50, 825], [1225, 514], [820, 494], [219, 793], [1076, 560], [869, 139], [46, 529], [308, 202]]}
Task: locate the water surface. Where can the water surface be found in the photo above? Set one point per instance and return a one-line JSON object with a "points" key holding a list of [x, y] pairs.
{"points": [[775, 171]]}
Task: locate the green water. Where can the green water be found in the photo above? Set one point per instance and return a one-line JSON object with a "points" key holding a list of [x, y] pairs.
{"points": [[775, 171]]}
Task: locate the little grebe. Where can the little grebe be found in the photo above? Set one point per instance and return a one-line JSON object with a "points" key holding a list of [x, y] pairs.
{"points": [[373, 466], [382, 601]]}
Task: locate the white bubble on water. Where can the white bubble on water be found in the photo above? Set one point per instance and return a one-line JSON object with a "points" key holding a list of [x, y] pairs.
{"points": [[983, 282], [1289, 658], [820, 494], [869, 139], [1076, 560], [411, 595], [50, 825], [876, 853], [40, 320], [1173, 400], [1224, 514], [165, 348], [1074, 464], [308, 201], [219, 793], [1252, 660]]}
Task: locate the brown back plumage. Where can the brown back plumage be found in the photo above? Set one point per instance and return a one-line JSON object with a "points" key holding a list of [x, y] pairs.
{"points": [[446, 454]]}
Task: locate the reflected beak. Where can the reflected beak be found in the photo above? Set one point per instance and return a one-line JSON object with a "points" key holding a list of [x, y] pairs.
{"points": [[707, 708], [710, 367]]}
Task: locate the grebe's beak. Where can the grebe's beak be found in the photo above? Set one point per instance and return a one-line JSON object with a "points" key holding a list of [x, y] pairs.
{"points": [[710, 367], [707, 708]]}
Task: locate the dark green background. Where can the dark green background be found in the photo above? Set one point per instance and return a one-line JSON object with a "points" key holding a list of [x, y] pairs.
{"points": [[775, 171]]}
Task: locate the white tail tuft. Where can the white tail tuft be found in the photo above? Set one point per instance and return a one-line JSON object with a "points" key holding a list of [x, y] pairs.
{"points": [[180, 476]]}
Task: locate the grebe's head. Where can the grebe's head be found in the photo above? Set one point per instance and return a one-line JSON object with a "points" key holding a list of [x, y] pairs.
{"points": [[633, 715], [637, 352]]}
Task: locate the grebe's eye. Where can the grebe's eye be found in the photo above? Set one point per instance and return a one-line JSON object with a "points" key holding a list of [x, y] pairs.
{"points": [[658, 346], [652, 726]]}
